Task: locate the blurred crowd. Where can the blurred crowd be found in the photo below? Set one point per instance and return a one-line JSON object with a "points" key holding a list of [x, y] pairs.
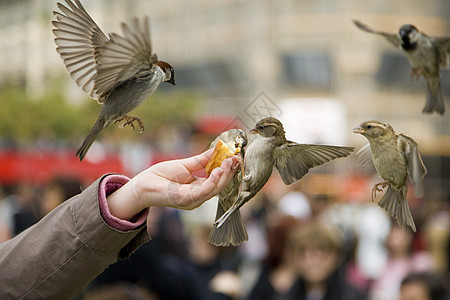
{"points": [[303, 244]]}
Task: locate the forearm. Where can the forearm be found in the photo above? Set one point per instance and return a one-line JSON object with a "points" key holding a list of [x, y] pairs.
{"points": [[58, 256]]}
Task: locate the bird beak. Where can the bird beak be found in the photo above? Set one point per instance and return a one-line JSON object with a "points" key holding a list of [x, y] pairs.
{"points": [[171, 81], [403, 34], [241, 141], [253, 131], [358, 130]]}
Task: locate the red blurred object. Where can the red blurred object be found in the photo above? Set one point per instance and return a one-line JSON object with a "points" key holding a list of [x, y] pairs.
{"points": [[40, 167], [216, 125]]}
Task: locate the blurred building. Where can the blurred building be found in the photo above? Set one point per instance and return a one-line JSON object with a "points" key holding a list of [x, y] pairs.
{"points": [[233, 50]]}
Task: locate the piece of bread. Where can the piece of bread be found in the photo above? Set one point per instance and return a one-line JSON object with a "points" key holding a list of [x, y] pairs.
{"points": [[221, 152]]}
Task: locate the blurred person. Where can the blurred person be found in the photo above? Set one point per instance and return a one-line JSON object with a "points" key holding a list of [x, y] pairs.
{"points": [[437, 236], [58, 256], [319, 204], [319, 260], [353, 272], [255, 214], [277, 275], [58, 190], [372, 226], [121, 291], [314, 253], [19, 210], [295, 203], [278, 227], [401, 261], [215, 267], [5, 232], [6, 220], [364, 227], [423, 286], [160, 266]]}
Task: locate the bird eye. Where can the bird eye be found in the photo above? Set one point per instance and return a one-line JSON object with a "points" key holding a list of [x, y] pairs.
{"points": [[261, 127], [369, 126]]}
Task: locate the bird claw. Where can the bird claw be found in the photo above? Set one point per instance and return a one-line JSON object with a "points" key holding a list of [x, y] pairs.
{"points": [[415, 74], [378, 188], [129, 120]]}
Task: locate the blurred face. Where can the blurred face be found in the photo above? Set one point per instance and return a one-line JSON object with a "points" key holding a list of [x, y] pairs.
{"points": [[52, 198], [414, 291], [399, 241], [200, 251], [316, 265]]}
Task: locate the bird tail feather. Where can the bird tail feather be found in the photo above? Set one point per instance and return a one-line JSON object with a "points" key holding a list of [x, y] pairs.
{"points": [[435, 100], [232, 231], [89, 140], [394, 202]]}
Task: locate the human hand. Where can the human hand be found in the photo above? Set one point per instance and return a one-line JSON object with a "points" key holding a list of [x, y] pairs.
{"points": [[172, 184]]}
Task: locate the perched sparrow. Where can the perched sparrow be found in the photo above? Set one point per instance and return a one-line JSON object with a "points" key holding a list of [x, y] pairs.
{"points": [[396, 158], [233, 231], [119, 72], [427, 56], [267, 146]]}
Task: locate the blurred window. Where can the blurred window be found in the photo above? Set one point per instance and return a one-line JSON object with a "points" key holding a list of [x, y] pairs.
{"points": [[217, 78], [308, 69], [394, 71]]}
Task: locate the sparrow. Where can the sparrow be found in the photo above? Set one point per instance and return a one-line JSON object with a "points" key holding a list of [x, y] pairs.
{"points": [[396, 158], [119, 71], [233, 232], [268, 146], [427, 56]]}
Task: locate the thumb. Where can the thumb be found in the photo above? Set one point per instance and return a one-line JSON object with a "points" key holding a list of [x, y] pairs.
{"points": [[217, 180]]}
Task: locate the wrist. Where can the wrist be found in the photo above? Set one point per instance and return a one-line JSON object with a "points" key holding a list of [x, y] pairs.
{"points": [[123, 202]]}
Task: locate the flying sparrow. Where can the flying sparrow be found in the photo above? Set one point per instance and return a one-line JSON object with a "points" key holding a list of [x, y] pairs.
{"points": [[268, 146], [119, 72], [427, 56], [396, 157], [233, 231]]}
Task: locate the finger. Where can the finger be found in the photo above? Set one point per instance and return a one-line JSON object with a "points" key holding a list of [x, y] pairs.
{"points": [[197, 162], [218, 179], [229, 167], [209, 187], [199, 194]]}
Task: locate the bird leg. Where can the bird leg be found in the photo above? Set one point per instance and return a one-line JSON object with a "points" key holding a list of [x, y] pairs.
{"points": [[415, 74], [379, 188], [129, 120]]}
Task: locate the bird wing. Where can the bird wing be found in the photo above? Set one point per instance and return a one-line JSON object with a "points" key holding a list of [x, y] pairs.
{"points": [[392, 38], [294, 160], [364, 156], [77, 38], [443, 46], [124, 57], [416, 167]]}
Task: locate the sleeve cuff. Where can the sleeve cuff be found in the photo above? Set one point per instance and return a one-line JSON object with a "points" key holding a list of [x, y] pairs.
{"points": [[107, 186]]}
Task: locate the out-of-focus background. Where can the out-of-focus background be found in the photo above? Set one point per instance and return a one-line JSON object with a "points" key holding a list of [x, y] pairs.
{"points": [[236, 62]]}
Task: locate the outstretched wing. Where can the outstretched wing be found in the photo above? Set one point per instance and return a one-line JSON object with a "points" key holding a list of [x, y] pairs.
{"points": [[416, 167], [392, 38], [124, 57], [294, 160], [96, 62], [77, 38], [443, 46]]}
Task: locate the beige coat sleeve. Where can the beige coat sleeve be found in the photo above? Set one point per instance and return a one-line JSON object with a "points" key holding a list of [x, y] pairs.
{"points": [[58, 256]]}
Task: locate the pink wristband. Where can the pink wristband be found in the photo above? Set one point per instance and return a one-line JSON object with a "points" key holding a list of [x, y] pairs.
{"points": [[108, 185]]}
